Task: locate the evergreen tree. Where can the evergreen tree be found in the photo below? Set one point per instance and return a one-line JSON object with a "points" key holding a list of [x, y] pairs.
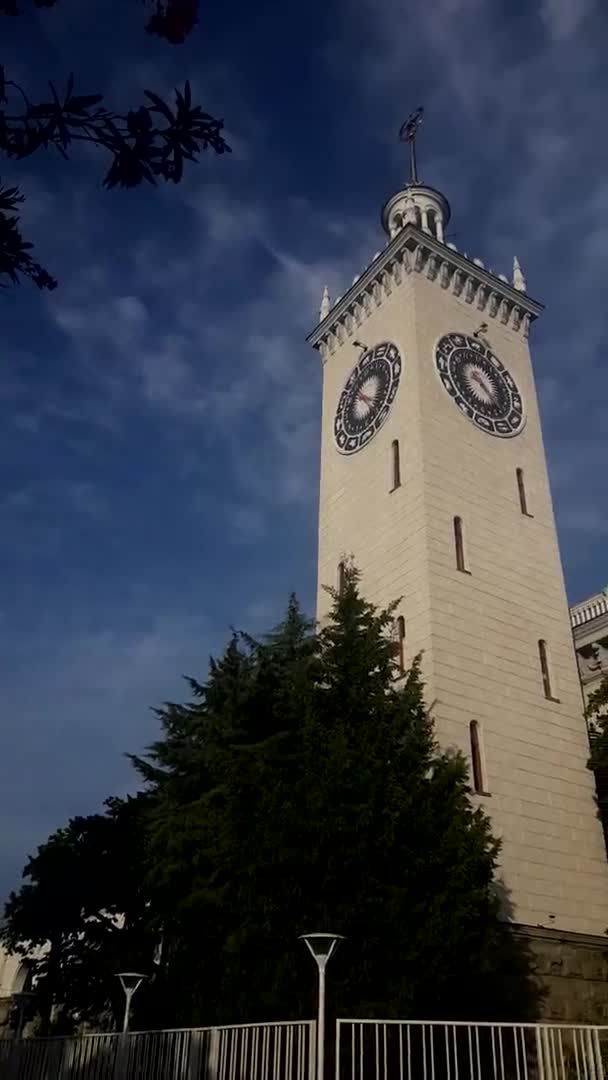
{"points": [[304, 790], [199, 822], [300, 790]]}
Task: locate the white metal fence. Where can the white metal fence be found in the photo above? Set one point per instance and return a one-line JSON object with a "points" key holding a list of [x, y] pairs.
{"points": [[281, 1051], [410, 1050], [365, 1050]]}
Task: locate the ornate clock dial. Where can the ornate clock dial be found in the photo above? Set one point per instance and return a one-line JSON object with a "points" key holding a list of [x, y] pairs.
{"points": [[480, 385], [367, 397]]}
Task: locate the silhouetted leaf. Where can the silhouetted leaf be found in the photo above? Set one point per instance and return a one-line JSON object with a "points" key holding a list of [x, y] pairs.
{"points": [[159, 105], [41, 111], [15, 258], [84, 102]]}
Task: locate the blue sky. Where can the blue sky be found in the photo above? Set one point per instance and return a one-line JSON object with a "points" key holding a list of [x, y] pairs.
{"points": [[161, 409]]}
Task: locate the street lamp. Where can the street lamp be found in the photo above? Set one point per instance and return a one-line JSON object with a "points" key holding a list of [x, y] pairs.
{"points": [[130, 982], [321, 948]]}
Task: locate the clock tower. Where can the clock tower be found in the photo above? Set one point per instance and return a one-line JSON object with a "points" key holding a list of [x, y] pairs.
{"points": [[433, 478]]}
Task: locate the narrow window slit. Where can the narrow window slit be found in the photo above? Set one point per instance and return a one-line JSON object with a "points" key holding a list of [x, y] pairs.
{"points": [[521, 487], [396, 464], [479, 784], [341, 577], [545, 668], [401, 643], [459, 544]]}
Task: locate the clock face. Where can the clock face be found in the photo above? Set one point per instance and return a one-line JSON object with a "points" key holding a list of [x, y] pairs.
{"points": [[480, 385], [367, 397]]}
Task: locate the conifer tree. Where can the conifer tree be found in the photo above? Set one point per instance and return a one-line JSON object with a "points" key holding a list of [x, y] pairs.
{"points": [[304, 790]]}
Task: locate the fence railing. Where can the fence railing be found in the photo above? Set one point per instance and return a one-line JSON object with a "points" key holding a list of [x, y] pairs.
{"points": [[365, 1050], [410, 1050], [281, 1051]]}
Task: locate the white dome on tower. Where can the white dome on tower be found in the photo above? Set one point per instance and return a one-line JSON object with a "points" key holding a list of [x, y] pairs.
{"points": [[418, 205]]}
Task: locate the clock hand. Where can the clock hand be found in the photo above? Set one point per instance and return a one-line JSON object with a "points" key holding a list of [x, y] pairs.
{"points": [[478, 378], [365, 398]]}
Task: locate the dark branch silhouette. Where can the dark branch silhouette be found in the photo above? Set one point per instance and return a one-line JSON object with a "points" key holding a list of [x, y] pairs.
{"points": [[149, 143], [15, 257], [172, 20]]}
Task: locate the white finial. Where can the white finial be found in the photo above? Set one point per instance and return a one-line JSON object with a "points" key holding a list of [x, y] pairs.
{"points": [[325, 305], [519, 281]]}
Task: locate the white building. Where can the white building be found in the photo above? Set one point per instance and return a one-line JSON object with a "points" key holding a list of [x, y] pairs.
{"points": [[589, 621], [15, 978]]}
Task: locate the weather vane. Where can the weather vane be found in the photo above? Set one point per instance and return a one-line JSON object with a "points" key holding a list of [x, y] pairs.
{"points": [[407, 133]]}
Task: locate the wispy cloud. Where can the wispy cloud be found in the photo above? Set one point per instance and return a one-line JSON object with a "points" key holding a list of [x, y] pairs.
{"points": [[169, 344], [563, 18]]}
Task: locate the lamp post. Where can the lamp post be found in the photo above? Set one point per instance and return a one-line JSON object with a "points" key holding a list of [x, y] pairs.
{"points": [[321, 948], [130, 982]]}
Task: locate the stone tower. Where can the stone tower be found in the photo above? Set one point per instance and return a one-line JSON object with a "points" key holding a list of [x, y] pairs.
{"points": [[433, 478]]}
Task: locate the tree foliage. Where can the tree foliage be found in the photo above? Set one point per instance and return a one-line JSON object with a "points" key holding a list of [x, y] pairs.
{"points": [[304, 790], [172, 20], [597, 716], [148, 143], [15, 253], [301, 789], [83, 914]]}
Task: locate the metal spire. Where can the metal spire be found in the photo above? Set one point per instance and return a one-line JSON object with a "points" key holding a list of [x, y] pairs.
{"points": [[407, 133]]}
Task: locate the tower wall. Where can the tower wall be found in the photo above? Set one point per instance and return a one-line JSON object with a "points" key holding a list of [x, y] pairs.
{"points": [[478, 632], [359, 515], [485, 628]]}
